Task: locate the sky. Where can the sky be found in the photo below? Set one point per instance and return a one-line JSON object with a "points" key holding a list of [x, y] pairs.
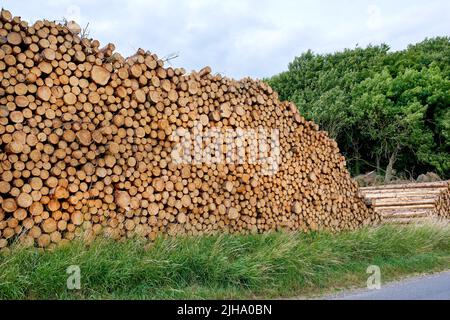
{"points": [[240, 38]]}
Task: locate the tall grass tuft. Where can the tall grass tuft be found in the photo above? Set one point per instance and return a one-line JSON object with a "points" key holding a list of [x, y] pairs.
{"points": [[224, 266]]}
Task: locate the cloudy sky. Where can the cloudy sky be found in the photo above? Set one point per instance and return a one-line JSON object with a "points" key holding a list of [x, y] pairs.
{"points": [[240, 38]]}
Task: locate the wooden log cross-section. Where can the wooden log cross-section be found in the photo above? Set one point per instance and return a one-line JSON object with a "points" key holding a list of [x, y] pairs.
{"points": [[408, 203], [87, 141]]}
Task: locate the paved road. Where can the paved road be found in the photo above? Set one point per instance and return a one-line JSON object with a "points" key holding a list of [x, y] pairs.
{"points": [[430, 287]]}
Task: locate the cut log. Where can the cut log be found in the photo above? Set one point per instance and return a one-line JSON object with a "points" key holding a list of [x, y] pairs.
{"points": [[44, 93], [100, 75], [14, 38], [24, 200]]}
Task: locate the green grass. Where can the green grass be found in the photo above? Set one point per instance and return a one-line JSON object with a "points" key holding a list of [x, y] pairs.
{"points": [[225, 266]]}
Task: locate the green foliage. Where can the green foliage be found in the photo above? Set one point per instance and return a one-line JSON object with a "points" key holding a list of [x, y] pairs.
{"points": [[378, 105], [224, 266]]}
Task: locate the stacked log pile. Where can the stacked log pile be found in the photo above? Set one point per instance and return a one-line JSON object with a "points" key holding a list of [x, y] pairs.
{"points": [[407, 203], [87, 141], [442, 207]]}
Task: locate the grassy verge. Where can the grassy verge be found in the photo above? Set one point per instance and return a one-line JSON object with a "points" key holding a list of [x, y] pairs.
{"points": [[225, 266]]}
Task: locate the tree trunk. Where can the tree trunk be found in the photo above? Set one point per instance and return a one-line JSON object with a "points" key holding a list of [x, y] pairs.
{"points": [[357, 167], [390, 166], [378, 159]]}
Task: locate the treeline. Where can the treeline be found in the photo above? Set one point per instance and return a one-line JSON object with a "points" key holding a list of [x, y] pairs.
{"points": [[388, 111]]}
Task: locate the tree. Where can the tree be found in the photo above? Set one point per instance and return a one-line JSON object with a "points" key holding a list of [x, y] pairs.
{"points": [[405, 92], [391, 123]]}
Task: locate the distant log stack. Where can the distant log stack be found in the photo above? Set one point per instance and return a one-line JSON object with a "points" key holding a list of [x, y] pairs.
{"points": [[442, 207], [408, 203], [87, 140]]}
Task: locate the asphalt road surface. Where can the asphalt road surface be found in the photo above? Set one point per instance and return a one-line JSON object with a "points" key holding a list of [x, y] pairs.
{"points": [[430, 287]]}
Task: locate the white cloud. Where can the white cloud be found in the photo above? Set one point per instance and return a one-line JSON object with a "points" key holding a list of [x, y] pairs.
{"points": [[245, 37]]}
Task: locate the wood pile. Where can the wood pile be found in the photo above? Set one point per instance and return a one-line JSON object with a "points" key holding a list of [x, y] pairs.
{"points": [[87, 138], [442, 206], [413, 202]]}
